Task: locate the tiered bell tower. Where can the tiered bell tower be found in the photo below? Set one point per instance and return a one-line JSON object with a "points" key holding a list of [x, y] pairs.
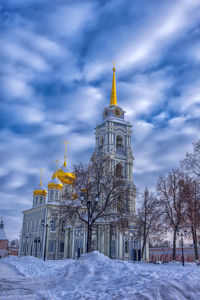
{"points": [[113, 136]]}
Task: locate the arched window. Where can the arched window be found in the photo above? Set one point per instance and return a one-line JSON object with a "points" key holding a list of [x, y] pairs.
{"points": [[51, 196], [119, 170], [120, 204], [119, 142], [53, 225], [101, 142], [126, 247]]}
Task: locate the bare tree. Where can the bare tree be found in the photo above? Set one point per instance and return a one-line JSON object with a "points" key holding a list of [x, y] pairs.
{"points": [[148, 218], [192, 160], [191, 196], [171, 202], [98, 194]]}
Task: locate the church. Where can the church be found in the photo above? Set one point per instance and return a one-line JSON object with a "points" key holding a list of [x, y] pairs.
{"points": [[46, 233]]}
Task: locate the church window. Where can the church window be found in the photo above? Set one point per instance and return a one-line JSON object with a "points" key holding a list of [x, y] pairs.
{"points": [[61, 247], [41, 200], [120, 204], [53, 225], [36, 201], [51, 195], [56, 195], [51, 246], [119, 142], [101, 142], [36, 229], [126, 247], [33, 226], [62, 225], [119, 170]]}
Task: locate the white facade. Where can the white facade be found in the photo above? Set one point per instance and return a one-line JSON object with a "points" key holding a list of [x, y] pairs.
{"points": [[47, 233]]}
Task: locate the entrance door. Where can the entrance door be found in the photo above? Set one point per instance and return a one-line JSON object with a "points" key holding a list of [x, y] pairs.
{"points": [[139, 254]]}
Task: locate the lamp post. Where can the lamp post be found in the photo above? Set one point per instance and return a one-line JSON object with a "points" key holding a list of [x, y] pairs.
{"points": [[182, 234], [45, 240], [88, 204]]}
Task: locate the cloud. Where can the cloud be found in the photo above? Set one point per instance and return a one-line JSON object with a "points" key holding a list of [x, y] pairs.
{"points": [[56, 73]]}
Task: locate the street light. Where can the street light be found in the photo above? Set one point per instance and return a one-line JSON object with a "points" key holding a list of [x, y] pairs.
{"points": [[182, 234], [45, 241], [88, 204]]}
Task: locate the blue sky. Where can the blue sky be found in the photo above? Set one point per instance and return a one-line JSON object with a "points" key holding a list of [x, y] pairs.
{"points": [[56, 73]]}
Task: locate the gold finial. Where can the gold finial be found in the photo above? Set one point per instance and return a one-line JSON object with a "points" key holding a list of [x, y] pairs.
{"points": [[65, 160], [113, 98], [41, 177], [57, 161]]}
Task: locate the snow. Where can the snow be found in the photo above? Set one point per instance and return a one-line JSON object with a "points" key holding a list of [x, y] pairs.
{"points": [[32, 267], [95, 276]]}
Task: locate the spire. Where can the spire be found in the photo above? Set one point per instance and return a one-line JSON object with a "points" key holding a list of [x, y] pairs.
{"points": [[41, 177], [1, 224], [65, 160], [113, 98]]}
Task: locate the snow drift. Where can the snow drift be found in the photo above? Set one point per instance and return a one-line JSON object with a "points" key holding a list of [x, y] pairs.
{"points": [[95, 276]]}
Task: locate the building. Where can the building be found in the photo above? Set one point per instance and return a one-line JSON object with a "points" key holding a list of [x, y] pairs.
{"points": [[3, 240], [45, 230], [164, 254]]}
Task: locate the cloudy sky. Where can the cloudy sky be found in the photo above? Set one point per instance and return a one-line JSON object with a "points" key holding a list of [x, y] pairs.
{"points": [[56, 73]]}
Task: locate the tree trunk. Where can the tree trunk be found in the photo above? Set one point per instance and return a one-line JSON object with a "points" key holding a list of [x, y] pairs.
{"points": [[174, 246], [89, 238], [143, 247], [144, 242], [194, 237]]}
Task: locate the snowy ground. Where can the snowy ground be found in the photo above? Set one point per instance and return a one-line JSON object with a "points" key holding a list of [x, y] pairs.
{"points": [[95, 276]]}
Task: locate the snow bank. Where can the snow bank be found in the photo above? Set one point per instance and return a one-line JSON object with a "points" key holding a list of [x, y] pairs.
{"points": [[95, 276], [33, 267]]}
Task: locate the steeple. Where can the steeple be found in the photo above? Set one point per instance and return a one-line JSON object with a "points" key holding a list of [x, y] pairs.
{"points": [[65, 160], [113, 98], [2, 232], [1, 224], [40, 190], [41, 177]]}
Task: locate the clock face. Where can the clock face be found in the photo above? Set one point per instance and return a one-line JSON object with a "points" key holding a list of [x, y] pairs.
{"points": [[117, 112]]}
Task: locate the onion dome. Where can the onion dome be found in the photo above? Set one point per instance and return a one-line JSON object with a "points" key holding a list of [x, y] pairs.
{"points": [[62, 174], [40, 190], [55, 184]]}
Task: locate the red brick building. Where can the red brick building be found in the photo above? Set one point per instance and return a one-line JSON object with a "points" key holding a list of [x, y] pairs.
{"points": [[165, 254]]}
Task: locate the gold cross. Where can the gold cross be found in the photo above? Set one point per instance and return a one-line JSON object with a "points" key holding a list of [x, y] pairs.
{"points": [[41, 177], [114, 63]]}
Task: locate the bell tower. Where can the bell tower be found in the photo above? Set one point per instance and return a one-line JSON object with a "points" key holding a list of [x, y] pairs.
{"points": [[113, 137]]}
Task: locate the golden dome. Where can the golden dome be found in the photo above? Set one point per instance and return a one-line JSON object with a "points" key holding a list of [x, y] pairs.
{"points": [[64, 176], [55, 184], [40, 190]]}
